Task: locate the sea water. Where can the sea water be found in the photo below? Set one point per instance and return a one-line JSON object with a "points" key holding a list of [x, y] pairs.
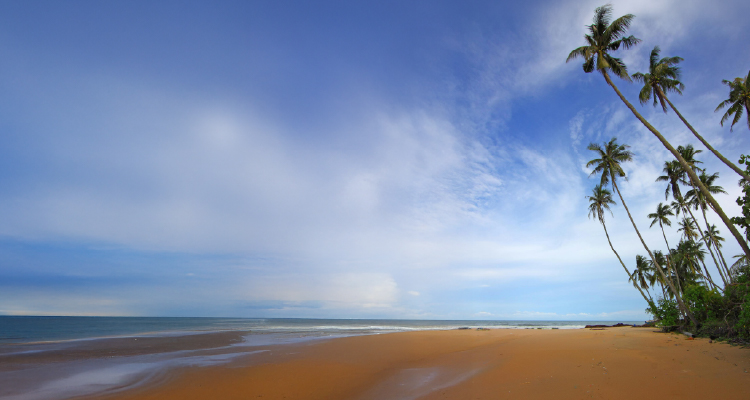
{"points": [[25, 329]]}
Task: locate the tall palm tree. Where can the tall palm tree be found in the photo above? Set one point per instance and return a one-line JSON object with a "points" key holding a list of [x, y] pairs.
{"points": [[611, 156], [686, 258], [714, 240], [605, 36], [663, 77], [673, 175], [599, 201], [689, 153], [670, 277], [661, 216], [691, 253], [698, 201], [739, 99], [741, 263], [688, 229], [640, 276]]}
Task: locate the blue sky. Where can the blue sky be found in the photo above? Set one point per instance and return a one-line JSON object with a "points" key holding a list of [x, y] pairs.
{"points": [[335, 159]]}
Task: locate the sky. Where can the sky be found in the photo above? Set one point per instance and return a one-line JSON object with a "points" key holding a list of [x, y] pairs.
{"points": [[337, 159]]}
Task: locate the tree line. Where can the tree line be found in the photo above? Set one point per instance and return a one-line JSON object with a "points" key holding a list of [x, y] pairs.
{"points": [[676, 283]]}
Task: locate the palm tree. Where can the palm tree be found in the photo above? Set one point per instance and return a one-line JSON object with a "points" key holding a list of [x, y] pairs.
{"points": [[661, 216], [739, 99], [611, 155], [599, 201], [698, 201], [663, 77], [714, 240], [688, 153], [688, 229], [607, 35], [670, 277], [686, 257], [739, 265], [674, 175], [640, 276]]}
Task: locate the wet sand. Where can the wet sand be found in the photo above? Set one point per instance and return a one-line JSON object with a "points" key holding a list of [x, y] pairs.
{"points": [[18, 356], [615, 363]]}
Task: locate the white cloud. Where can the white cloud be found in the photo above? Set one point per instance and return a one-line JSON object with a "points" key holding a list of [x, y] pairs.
{"points": [[336, 291], [379, 193]]}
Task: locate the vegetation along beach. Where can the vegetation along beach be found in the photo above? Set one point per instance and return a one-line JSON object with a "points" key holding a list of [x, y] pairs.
{"points": [[374, 200]]}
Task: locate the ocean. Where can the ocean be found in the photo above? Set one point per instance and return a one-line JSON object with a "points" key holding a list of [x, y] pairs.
{"points": [[56, 358], [30, 329]]}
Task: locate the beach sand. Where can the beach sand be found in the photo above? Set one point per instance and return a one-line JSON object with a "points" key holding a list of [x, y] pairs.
{"points": [[615, 363]]}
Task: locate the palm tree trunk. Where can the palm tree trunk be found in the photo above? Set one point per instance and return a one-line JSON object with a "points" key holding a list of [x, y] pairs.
{"points": [[684, 165], [666, 256], [721, 258], [705, 143], [705, 241], [680, 303], [718, 266], [723, 268], [711, 281], [622, 263]]}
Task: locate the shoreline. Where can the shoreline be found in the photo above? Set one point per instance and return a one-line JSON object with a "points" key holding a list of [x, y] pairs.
{"points": [[461, 364], [400, 365]]}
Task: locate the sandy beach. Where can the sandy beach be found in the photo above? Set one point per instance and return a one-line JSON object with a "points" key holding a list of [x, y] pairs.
{"points": [[614, 363]]}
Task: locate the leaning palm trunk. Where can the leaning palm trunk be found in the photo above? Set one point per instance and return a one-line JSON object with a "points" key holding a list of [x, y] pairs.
{"points": [[667, 257], [623, 264], [685, 166], [710, 250], [705, 143], [718, 250], [711, 281], [721, 258], [705, 241], [677, 281], [678, 297]]}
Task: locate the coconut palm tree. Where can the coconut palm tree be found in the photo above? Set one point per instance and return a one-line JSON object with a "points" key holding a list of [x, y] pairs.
{"points": [[688, 229], [741, 263], [739, 99], [611, 156], [686, 259], [606, 36], [698, 201], [674, 175], [688, 153], [599, 201], [661, 216], [670, 277], [691, 254], [640, 276], [714, 241], [663, 77]]}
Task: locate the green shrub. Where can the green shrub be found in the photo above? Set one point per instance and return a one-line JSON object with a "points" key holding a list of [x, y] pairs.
{"points": [[665, 312], [742, 327], [705, 305]]}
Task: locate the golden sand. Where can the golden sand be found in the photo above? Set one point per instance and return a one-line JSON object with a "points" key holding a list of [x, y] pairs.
{"points": [[615, 363]]}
